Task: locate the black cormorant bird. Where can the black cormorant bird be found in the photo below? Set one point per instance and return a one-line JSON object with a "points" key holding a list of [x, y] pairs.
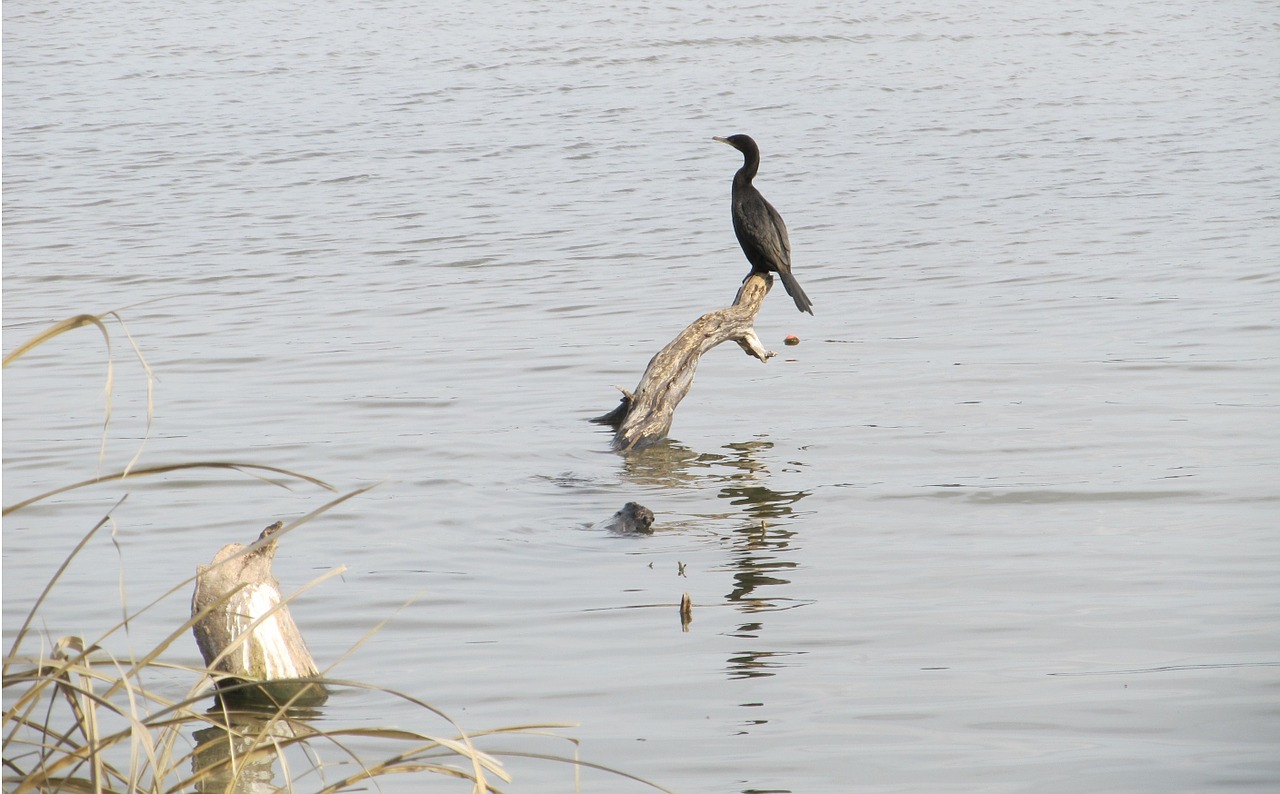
{"points": [[760, 230]]}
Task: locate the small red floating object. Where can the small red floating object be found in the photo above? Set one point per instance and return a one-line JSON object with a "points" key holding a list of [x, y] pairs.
{"points": [[792, 340]]}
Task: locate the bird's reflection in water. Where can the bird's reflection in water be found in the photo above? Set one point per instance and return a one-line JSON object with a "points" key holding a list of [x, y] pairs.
{"points": [[760, 580], [758, 555], [757, 664]]}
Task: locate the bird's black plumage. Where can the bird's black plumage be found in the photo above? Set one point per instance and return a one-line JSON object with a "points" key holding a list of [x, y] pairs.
{"points": [[759, 227]]}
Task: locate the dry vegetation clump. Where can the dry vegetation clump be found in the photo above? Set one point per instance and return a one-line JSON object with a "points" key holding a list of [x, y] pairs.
{"points": [[79, 717]]}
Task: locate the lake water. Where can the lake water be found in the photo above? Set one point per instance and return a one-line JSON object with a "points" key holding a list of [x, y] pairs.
{"points": [[1021, 527]]}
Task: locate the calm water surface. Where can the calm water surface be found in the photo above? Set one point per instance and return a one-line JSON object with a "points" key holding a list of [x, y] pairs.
{"points": [[1017, 483]]}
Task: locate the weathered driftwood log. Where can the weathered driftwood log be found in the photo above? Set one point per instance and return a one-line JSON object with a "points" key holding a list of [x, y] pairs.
{"points": [[246, 632], [644, 418]]}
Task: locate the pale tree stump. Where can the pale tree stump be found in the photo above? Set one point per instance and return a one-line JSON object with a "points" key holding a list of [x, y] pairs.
{"points": [[643, 418], [245, 631]]}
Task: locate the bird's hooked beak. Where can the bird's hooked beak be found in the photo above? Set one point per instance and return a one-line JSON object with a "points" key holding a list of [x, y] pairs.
{"points": [[722, 140]]}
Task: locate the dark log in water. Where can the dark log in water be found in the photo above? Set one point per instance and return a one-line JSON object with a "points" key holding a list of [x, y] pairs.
{"points": [[246, 631], [644, 418]]}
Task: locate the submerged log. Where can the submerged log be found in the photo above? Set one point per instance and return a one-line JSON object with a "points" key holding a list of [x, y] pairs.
{"points": [[644, 418], [245, 631]]}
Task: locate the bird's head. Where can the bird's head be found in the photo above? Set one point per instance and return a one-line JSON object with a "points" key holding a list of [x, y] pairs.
{"points": [[742, 143]]}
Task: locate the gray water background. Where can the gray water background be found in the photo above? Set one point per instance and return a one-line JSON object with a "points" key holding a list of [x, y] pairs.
{"points": [[1018, 481]]}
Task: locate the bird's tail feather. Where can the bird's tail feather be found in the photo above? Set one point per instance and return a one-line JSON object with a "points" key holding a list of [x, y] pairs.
{"points": [[793, 289]]}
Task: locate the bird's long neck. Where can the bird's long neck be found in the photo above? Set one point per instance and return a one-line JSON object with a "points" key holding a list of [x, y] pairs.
{"points": [[748, 171]]}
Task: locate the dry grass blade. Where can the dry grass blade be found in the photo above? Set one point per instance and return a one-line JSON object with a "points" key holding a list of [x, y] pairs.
{"points": [[463, 747], [324, 508], [399, 766], [74, 683], [79, 321], [270, 742], [57, 329], [146, 368], [578, 762], [35, 608], [367, 636], [171, 467], [70, 324], [272, 733], [427, 748]]}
